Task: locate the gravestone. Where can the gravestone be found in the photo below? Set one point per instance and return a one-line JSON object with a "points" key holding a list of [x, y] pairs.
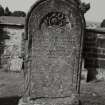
{"points": [[54, 33], [94, 54]]}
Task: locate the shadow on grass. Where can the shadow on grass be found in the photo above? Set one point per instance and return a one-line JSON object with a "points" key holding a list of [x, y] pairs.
{"points": [[9, 100]]}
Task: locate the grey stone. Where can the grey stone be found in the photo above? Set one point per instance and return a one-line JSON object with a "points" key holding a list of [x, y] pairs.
{"points": [[54, 32]]}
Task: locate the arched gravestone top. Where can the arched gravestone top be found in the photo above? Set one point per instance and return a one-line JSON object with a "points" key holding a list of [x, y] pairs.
{"points": [[74, 3], [54, 33]]}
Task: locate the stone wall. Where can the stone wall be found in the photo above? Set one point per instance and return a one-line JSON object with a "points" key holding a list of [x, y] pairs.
{"points": [[94, 53], [11, 58]]}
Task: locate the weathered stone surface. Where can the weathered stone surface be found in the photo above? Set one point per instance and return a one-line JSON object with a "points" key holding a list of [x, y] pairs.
{"points": [[53, 50], [11, 59]]}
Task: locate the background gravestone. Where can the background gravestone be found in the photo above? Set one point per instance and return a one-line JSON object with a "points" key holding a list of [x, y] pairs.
{"points": [[94, 54], [54, 32]]}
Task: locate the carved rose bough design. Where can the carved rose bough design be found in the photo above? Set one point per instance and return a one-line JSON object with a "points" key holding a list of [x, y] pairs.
{"points": [[54, 19]]}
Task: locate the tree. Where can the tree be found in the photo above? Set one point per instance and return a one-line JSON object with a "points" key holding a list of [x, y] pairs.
{"points": [[84, 7], [103, 23], [19, 13], [7, 12], [1, 11]]}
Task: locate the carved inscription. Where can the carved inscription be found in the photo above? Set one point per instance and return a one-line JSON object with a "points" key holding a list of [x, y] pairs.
{"points": [[56, 39]]}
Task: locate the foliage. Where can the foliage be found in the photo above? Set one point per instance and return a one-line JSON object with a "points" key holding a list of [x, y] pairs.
{"points": [[1, 11], [84, 7], [103, 23], [7, 12], [19, 13]]}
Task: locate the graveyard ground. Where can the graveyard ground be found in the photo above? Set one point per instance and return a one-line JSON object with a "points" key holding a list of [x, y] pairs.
{"points": [[93, 93], [11, 83]]}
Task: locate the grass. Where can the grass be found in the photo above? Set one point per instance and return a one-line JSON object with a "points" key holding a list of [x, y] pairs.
{"points": [[11, 84], [93, 93], [11, 89]]}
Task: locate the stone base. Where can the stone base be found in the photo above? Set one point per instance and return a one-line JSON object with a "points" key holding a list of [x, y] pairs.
{"points": [[73, 100]]}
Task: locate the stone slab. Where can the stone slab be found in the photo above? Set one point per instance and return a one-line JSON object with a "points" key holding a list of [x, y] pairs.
{"points": [[54, 37]]}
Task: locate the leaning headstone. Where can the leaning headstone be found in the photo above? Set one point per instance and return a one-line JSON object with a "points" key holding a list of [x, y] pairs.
{"points": [[54, 33]]}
